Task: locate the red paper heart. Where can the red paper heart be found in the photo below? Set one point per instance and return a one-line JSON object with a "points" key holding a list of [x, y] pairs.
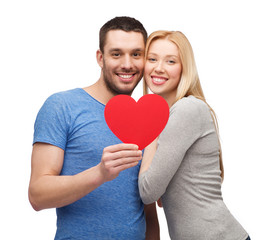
{"points": [[137, 122]]}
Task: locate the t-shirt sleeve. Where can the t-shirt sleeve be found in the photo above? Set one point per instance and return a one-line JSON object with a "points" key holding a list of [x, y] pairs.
{"points": [[182, 130], [51, 122]]}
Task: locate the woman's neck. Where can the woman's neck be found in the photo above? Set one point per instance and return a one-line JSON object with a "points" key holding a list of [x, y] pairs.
{"points": [[170, 99]]}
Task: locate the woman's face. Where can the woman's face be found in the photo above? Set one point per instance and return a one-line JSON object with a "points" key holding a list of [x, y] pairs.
{"points": [[163, 68]]}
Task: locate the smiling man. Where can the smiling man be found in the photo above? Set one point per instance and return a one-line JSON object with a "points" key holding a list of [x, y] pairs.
{"points": [[122, 62], [78, 165]]}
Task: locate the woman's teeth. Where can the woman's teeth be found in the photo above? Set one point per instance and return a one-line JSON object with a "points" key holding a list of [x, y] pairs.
{"points": [[158, 80]]}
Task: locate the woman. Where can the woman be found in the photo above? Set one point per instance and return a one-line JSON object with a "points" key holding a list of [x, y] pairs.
{"points": [[184, 168]]}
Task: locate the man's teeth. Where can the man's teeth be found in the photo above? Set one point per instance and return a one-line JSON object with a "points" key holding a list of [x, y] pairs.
{"points": [[126, 76], [158, 80]]}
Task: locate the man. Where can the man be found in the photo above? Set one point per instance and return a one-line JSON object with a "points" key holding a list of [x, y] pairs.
{"points": [[78, 164]]}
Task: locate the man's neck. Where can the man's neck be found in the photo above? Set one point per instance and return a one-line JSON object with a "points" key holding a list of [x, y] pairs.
{"points": [[99, 91]]}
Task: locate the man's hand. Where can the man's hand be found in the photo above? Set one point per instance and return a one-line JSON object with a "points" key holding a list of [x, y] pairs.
{"points": [[116, 158], [49, 189]]}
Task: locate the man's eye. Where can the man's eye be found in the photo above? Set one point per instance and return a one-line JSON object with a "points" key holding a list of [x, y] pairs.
{"points": [[115, 54], [136, 54]]}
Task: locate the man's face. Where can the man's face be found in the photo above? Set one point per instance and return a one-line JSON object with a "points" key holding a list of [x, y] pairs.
{"points": [[123, 61]]}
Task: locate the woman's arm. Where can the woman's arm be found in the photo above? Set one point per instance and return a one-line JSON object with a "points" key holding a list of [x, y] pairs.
{"points": [[149, 153], [159, 166]]}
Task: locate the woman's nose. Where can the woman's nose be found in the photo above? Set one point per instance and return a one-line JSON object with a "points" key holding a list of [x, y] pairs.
{"points": [[159, 67]]}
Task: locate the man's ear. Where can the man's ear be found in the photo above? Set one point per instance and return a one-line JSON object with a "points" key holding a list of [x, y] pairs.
{"points": [[99, 58]]}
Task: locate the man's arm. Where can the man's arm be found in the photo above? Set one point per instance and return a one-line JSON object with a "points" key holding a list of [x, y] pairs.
{"points": [[47, 189], [152, 223]]}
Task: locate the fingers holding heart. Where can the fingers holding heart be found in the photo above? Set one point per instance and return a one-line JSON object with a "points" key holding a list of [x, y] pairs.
{"points": [[117, 158], [122, 157]]}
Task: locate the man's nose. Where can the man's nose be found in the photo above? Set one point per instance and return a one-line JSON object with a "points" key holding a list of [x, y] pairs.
{"points": [[127, 62]]}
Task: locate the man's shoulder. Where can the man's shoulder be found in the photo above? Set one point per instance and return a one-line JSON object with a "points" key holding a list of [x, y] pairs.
{"points": [[64, 97], [67, 94]]}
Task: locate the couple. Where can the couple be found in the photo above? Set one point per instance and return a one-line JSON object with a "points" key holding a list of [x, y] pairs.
{"points": [[83, 170]]}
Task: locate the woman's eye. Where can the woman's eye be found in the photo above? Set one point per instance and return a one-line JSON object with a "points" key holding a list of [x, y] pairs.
{"points": [[171, 62], [151, 59]]}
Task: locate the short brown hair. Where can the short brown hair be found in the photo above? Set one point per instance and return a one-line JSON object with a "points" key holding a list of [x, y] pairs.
{"points": [[126, 24]]}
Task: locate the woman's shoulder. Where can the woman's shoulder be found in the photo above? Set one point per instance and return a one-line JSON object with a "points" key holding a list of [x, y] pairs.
{"points": [[190, 105]]}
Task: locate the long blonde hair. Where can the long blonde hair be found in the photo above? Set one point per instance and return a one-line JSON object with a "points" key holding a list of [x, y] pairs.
{"points": [[189, 83]]}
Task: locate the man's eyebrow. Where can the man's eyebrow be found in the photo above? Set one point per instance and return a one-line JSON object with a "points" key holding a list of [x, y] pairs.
{"points": [[138, 50], [114, 49], [120, 50]]}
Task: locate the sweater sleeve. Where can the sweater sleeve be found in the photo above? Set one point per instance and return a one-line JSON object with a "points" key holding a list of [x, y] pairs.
{"points": [[182, 130]]}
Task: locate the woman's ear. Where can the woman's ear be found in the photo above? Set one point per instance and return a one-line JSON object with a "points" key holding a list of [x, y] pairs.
{"points": [[99, 58]]}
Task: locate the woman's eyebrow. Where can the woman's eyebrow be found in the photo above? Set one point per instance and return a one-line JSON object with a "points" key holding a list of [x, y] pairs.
{"points": [[170, 55]]}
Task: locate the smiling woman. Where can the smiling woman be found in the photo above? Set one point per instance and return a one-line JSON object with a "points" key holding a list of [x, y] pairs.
{"points": [[163, 68], [184, 168]]}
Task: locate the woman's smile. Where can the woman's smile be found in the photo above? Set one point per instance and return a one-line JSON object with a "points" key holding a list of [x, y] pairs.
{"points": [[158, 80]]}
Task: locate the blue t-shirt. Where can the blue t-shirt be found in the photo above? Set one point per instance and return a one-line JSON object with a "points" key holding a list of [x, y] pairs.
{"points": [[74, 121]]}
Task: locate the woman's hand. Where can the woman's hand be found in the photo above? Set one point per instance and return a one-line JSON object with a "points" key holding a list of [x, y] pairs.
{"points": [[159, 203]]}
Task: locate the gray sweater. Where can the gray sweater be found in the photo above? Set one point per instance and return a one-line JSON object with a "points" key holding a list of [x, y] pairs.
{"points": [[185, 173]]}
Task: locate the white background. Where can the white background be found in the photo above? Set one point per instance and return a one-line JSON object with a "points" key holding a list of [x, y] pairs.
{"points": [[49, 46]]}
